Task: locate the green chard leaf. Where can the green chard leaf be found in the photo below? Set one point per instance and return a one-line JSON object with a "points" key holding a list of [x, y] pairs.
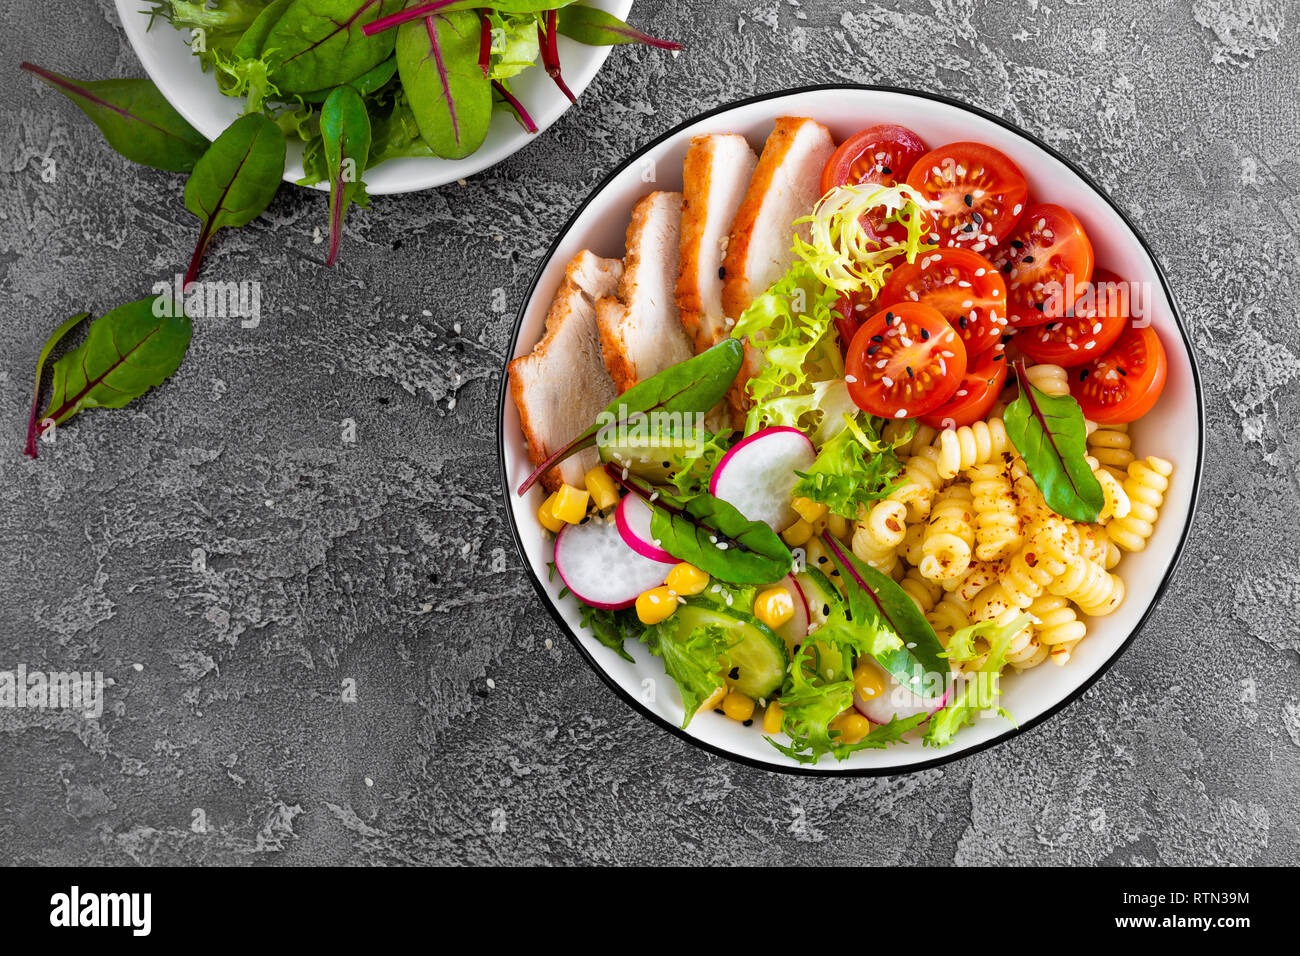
{"points": [[126, 352], [597, 28], [317, 44], [875, 600], [134, 117], [697, 662], [1049, 433], [366, 84], [853, 468], [345, 129], [437, 59], [235, 180], [55, 338], [982, 689], [714, 536], [252, 42], [689, 387]]}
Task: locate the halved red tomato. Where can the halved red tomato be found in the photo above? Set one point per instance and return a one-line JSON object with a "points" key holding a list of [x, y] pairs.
{"points": [[906, 360], [976, 393], [1098, 317], [978, 194], [1044, 262], [881, 154], [1123, 384], [965, 287]]}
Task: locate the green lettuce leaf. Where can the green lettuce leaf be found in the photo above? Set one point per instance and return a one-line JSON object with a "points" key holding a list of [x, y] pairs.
{"points": [[981, 690], [514, 43], [853, 468], [612, 628], [697, 662], [692, 477]]}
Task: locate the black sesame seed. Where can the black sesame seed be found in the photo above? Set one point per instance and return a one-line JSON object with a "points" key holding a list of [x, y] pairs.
{"points": [[718, 710], [925, 335], [1039, 306], [970, 200], [886, 170], [826, 610], [909, 372], [969, 227], [979, 220], [998, 358], [749, 723], [1007, 268], [872, 349], [734, 673], [1027, 259], [877, 338], [961, 321], [1017, 244], [822, 559], [1121, 371], [722, 272], [1083, 374]]}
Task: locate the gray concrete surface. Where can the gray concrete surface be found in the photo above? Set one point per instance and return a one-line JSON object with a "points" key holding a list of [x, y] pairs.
{"points": [[229, 561]]}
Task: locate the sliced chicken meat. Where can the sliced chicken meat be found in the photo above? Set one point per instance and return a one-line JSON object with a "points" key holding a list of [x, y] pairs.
{"points": [[562, 385], [640, 330], [715, 178]]}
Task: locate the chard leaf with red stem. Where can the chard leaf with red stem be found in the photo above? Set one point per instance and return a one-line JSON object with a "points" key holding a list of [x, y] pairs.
{"points": [[515, 107], [437, 58], [134, 117], [318, 44], [345, 132], [594, 27], [55, 337], [547, 35], [453, 6]]}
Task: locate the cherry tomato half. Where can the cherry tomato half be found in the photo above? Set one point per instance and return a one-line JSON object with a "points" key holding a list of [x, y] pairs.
{"points": [[1044, 262], [963, 286], [879, 154], [1123, 384], [976, 394], [977, 192], [906, 360], [1099, 316]]}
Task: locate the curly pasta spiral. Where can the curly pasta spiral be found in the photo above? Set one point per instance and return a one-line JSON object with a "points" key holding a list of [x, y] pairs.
{"points": [[1059, 628], [922, 437], [925, 594], [948, 615], [866, 546], [973, 580], [920, 482], [1092, 587], [1112, 447], [961, 448], [910, 549], [997, 521], [946, 549], [1037, 564], [995, 604], [1115, 503], [1146, 485]]}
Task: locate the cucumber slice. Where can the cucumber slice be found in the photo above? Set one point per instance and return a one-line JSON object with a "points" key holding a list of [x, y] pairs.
{"points": [[649, 454], [822, 598], [759, 658]]}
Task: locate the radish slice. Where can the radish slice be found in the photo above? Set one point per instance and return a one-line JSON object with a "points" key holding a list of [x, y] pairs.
{"points": [[633, 519], [758, 475], [897, 701], [795, 630], [596, 564]]}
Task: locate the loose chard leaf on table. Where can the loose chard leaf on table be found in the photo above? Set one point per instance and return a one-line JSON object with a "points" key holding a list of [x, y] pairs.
{"points": [[437, 58], [235, 180], [875, 599], [321, 43], [597, 28], [689, 387], [126, 352], [134, 117], [1050, 434], [345, 130]]}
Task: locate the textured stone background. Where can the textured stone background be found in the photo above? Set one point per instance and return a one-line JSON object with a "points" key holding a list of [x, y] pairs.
{"points": [[387, 562]]}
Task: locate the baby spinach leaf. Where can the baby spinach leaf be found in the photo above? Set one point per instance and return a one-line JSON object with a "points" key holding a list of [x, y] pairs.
{"points": [[368, 82], [1050, 434], [126, 352], [253, 42], [235, 180], [597, 28], [437, 58], [320, 43], [345, 130], [55, 337], [695, 385], [134, 117], [876, 600]]}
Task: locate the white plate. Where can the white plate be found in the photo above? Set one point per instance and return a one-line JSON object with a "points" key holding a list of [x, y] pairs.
{"points": [[1173, 430], [167, 58]]}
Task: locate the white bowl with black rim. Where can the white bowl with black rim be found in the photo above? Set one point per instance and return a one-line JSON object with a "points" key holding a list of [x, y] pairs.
{"points": [[1174, 429], [165, 54]]}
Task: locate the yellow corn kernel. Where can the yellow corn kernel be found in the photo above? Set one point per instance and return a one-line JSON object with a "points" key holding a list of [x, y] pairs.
{"points": [[772, 718], [868, 680], [601, 487], [852, 727], [547, 517], [570, 504], [687, 579], [656, 605], [798, 533], [737, 706], [838, 526], [774, 606], [808, 509], [714, 700]]}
